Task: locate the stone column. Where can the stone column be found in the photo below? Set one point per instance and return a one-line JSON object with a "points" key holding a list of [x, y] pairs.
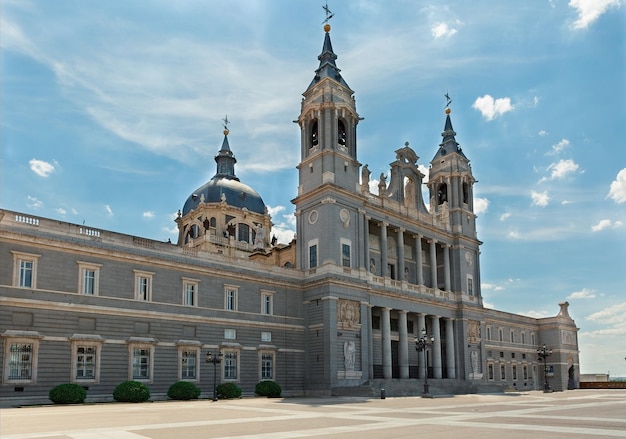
{"points": [[450, 360], [437, 371], [386, 341], [418, 261], [446, 266], [403, 345], [421, 324], [400, 254], [433, 263], [383, 250], [366, 242]]}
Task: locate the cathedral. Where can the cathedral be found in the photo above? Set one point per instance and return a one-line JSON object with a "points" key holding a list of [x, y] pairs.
{"points": [[378, 289]]}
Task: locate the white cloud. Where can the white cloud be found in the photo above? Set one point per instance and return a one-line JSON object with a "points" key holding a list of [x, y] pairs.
{"points": [[618, 187], [585, 293], [535, 101], [615, 314], [560, 169], [34, 203], [148, 214], [505, 216], [536, 314], [590, 10], [562, 144], [442, 30], [514, 234], [491, 108], [284, 224], [540, 199], [60, 211], [543, 133], [41, 168], [481, 205], [606, 224], [109, 210]]}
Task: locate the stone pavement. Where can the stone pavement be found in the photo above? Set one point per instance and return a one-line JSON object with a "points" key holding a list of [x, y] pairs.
{"points": [[572, 414]]}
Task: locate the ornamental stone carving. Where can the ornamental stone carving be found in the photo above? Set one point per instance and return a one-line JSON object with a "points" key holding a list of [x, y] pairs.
{"points": [[349, 314]]}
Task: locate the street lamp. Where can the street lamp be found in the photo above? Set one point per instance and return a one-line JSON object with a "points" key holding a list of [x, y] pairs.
{"points": [[215, 360], [543, 353], [421, 344]]}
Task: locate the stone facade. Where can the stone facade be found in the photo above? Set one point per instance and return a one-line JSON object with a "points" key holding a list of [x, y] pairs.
{"points": [[339, 307]]}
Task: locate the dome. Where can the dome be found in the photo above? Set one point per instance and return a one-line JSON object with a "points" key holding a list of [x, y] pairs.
{"points": [[236, 193]]}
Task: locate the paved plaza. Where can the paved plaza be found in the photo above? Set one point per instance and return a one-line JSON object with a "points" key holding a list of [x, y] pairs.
{"points": [[579, 413]]}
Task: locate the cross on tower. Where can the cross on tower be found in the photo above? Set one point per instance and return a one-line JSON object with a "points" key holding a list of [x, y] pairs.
{"points": [[329, 14], [226, 122]]}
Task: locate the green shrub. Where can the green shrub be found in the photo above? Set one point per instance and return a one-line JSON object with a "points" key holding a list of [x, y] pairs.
{"points": [[183, 390], [268, 388], [228, 391], [67, 394], [131, 391]]}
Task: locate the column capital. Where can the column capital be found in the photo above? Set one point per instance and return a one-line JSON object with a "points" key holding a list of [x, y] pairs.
{"points": [[401, 230]]}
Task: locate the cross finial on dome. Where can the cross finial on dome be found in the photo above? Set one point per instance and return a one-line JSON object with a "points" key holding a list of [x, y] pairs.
{"points": [[448, 102], [329, 15], [226, 122]]}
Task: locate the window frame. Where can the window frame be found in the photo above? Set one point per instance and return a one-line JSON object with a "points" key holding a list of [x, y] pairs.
{"points": [[312, 263], [194, 283], [142, 345], [231, 305], [77, 341], [343, 244], [272, 365], [18, 258], [149, 276], [83, 268], [227, 361], [20, 338], [267, 302], [184, 347], [470, 285]]}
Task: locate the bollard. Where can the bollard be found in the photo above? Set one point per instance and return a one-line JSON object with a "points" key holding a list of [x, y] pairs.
{"points": [[382, 393]]}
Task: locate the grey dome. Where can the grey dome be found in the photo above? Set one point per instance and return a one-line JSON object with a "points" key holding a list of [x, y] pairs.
{"points": [[237, 194]]}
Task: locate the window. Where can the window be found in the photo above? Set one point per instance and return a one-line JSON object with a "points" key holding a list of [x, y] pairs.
{"points": [[230, 365], [230, 297], [266, 336], [500, 335], [512, 337], [525, 372], [141, 363], [230, 334], [523, 335], [533, 341], [20, 357], [470, 285], [267, 365], [25, 269], [346, 260], [490, 371], [143, 285], [88, 278], [514, 372], [488, 332], [190, 292], [243, 232], [313, 254], [86, 358], [188, 363], [502, 372], [267, 303]]}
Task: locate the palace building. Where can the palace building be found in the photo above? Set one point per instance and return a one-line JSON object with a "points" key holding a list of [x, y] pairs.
{"points": [[337, 311]]}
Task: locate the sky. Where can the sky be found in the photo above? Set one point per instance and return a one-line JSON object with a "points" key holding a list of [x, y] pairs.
{"points": [[111, 116]]}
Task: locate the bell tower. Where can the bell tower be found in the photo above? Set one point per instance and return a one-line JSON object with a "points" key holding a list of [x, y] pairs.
{"points": [[329, 192]]}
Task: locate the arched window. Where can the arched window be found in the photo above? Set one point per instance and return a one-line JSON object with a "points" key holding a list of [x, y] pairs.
{"points": [[341, 133], [243, 232], [314, 134], [442, 193]]}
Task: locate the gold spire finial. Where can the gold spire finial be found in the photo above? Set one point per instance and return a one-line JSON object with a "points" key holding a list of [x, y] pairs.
{"points": [[329, 15], [448, 102], [226, 122]]}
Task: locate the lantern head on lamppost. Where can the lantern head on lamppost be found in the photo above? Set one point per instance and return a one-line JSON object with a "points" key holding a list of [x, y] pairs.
{"points": [[421, 344], [543, 353], [215, 360]]}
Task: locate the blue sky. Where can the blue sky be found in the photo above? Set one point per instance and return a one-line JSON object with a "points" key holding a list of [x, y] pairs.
{"points": [[111, 114]]}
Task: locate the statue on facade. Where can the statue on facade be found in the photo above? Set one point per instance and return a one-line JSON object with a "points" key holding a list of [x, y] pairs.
{"points": [[349, 355], [382, 185]]}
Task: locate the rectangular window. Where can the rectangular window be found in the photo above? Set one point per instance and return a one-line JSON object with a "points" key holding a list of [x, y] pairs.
{"points": [[512, 337], [143, 285], [88, 278], [267, 366], [188, 364], [313, 256], [500, 335], [86, 362], [25, 269], [533, 341], [470, 286], [266, 336], [523, 335], [190, 292], [514, 372], [230, 365], [490, 371], [21, 362], [230, 334], [525, 372], [230, 298], [346, 260], [488, 332], [267, 303], [502, 372], [141, 363]]}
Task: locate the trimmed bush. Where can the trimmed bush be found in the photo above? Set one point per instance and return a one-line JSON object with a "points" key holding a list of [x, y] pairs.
{"points": [[131, 391], [268, 388], [228, 391], [69, 393], [183, 391]]}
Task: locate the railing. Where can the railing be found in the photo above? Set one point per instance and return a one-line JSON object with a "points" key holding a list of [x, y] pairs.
{"points": [[26, 220]]}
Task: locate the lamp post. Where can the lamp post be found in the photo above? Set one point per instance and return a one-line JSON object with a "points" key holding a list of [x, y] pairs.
{"points": [[543, 353], [217, 359], [421, 344]]}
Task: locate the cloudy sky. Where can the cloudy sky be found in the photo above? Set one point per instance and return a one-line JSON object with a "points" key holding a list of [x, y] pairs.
{"points": [[111, 114]]}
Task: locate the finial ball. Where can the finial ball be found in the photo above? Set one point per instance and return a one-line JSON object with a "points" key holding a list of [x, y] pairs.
{"points": [[448, 111], [327, 28], [226, 132]]}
